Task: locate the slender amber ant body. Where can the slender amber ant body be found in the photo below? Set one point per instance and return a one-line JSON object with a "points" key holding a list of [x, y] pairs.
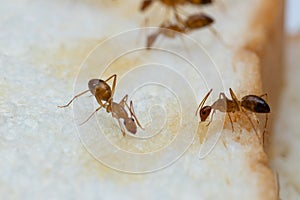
{"points": [[104, 96], [251, 103], [170, 30], [181, 24]]}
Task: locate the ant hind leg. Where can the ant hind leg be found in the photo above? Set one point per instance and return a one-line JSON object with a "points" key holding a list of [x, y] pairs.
{"points": [[90, 116], [251, 124], [132, 113]]}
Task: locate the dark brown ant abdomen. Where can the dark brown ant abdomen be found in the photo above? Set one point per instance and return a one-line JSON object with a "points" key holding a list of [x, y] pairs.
{"points": [[198, 21], [255, 104], [200, 2]]}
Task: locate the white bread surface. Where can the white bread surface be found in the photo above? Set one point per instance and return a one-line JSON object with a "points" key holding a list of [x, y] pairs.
{"points": [[42, 46]]}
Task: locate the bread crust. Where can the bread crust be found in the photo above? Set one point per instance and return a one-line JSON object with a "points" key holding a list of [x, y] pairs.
{"points": [[262, 52]]}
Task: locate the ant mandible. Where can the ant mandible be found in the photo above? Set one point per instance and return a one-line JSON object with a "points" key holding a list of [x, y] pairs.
{"points": [[251, 103], [103, 92]]}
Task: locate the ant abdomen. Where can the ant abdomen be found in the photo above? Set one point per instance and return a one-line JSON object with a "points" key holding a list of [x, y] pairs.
{"points": [[255, 104], [130, 125], [198, 21], [200, 2]]}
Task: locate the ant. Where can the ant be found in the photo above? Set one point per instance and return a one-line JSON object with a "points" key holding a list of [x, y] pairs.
{"points": [[103, 92], [170, 30], [173, 5], [251, 103]]}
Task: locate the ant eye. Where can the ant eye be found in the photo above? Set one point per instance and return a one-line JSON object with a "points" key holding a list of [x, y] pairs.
{"points": [[132, 119], [204, 113]]}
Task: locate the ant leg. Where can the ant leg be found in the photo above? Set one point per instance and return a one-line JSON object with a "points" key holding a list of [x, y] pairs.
{"points": [[233, 95], [202, 102], [91, 115], [177, 17], [231, 122], [122, 128], [224, 142], [74, 99], [235, 99], [212, 116], [113, 85], [152, 38], [216, 33], [266, 95], [251, 123], [130, 108], [265, 127], [124, 100], [134, 115]]}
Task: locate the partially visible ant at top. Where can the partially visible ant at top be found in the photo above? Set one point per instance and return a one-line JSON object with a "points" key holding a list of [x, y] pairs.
{"points": [[104, 96], [251, 103], [170, 30], [184, 24]]}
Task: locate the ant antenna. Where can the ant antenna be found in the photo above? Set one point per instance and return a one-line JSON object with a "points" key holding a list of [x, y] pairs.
{"points": [[203, 101], [78, 95]]}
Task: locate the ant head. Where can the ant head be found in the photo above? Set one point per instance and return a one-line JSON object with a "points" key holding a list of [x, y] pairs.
{"points": [[93, 83], [130, 125], [204, 112]]}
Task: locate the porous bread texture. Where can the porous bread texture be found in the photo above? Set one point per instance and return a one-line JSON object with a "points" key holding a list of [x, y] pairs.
{"points": [[43, 156]]}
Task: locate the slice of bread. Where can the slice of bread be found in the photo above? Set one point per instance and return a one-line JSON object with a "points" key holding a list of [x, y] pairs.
{"points": [[43, 157]]}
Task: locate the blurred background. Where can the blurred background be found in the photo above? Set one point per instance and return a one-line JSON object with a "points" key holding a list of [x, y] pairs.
{"points": [[293, 16]]}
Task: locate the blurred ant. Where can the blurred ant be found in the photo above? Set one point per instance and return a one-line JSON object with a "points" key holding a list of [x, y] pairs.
{"points": [[173, 4], [170, 30], [251, 103], [103, 92]]}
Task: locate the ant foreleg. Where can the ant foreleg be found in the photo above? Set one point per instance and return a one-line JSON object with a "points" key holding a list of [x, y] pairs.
{"points": [[212, 116], [231, 122]]}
